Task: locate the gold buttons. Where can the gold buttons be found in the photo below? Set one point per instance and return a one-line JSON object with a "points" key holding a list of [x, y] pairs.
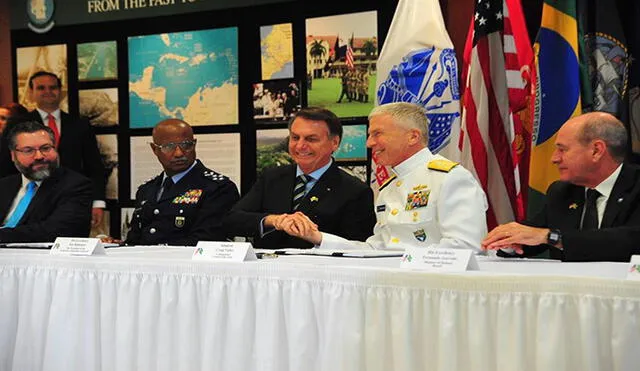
{"points": [[394, 212]]}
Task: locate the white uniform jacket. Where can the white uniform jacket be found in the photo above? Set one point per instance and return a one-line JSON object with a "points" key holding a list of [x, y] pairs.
{"points": [[420, 206]]}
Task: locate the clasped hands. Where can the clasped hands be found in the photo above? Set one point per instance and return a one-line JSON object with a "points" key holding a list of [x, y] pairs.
{"points": [[297, 225]]}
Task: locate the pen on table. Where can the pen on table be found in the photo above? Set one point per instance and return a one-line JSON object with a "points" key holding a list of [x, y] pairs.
{"points": [[266, 255]]}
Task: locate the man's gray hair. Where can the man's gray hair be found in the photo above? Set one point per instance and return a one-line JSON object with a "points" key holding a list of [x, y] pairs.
{"points": [[610, 130], [407, 115]]}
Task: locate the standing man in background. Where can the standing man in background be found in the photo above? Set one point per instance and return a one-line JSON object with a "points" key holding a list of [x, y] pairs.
{"points": [[74, 138]]}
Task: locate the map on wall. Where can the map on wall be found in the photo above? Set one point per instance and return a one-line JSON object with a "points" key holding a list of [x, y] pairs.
{"points": [[276, 48], [97, 61], [191, 75]]}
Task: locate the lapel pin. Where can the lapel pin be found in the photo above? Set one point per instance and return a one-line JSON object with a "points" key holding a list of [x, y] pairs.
{"points": [[314, 199], [573, 206], [620, 199]]}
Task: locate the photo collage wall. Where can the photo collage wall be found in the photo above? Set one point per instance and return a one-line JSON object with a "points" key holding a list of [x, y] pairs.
{"points": [[126, 85]]}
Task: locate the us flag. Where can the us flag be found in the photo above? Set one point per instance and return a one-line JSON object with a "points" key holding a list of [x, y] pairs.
{"points": [[349, 57], [497, 82]]}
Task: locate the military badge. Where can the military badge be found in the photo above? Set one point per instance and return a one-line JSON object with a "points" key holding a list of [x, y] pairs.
{"points": [[191, 196], [314, 199], [420, 187], [573, 206], [179, 222], [420, 235], [417, 199]]}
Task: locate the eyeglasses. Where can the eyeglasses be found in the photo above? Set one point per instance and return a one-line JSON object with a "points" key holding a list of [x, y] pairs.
{"points": [[30, 151], [186, 146]]}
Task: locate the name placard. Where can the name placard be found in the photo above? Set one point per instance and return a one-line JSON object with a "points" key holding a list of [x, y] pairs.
{"points": [[77, 246], [224, 251], [633, 273], [439, 259]]}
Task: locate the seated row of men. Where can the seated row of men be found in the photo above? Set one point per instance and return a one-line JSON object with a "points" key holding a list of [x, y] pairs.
{"points": [[428, 200]]}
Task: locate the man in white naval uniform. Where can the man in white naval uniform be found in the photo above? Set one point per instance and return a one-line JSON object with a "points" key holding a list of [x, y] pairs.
{"points": [[429, 201]]}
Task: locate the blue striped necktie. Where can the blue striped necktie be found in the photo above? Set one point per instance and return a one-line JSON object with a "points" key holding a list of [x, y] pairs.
{"points": [[22, 206], [299, 190]]}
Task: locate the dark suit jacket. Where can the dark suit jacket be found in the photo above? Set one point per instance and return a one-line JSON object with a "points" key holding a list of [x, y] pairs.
{"points": [[619, 235], [338, 203], [78, 151], [191, 211], [60, 208]]}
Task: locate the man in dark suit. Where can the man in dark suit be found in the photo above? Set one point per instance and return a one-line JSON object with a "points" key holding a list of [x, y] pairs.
{"points": [[335, 201], [186, 203], [593, 212], [75, 141], [44, 201]]}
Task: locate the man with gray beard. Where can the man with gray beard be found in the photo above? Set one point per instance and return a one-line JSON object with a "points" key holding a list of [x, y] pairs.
{"points": [[44, 201]]}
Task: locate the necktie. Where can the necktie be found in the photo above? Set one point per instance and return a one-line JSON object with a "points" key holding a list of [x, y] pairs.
{"points": [[54, 128], [299, 190], [22, 206], [166, 185], [590, 218]]}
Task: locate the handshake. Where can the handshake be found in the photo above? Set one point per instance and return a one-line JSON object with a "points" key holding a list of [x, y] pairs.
{"points": [[296, 224]]}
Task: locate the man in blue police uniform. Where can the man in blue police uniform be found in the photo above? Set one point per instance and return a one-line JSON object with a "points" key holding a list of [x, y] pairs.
{"points": [[186, 203]]}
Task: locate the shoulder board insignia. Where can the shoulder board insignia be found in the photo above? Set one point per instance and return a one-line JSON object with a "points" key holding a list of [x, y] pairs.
{"points": [[387, 182], [212, 175], [442, 165]]}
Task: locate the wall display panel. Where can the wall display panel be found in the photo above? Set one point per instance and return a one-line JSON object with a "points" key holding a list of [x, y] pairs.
{"points": [[108, 146], [359, 171], [98, 61], [29, 60], [102, 229], [341, 55], [276, 50], [188, 75], [126, 214], [219, 152], [275, 101], [100, 106], [272, 149], [353, 146]]}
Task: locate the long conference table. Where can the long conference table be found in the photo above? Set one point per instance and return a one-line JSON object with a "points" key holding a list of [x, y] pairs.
{"points": [[155, 309]]}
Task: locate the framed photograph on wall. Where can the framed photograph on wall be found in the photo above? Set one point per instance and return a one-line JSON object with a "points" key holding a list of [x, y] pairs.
{"points": [[100, 106], [353, 146], [98, 61], [272, 149], [275, 101], [341, 62]]}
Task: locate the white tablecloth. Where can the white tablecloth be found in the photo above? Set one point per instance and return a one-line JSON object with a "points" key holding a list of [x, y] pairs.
{"points": [[159, 311]]}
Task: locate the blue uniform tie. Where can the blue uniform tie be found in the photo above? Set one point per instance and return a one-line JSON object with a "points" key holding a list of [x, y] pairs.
{"points": [[22, 206]]}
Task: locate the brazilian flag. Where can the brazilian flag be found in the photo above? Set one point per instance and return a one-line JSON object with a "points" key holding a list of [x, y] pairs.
{"points": [[557, 91]]}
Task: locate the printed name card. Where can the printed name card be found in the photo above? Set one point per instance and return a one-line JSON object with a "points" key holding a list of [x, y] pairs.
{"points": [[77, 246], [224, 251], [439, 259], [633, 273]]}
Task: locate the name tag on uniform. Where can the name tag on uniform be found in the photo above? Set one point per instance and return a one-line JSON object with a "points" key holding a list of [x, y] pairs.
{"points": [[381, 208], [434, 259], [224, 251], [77, 246]]}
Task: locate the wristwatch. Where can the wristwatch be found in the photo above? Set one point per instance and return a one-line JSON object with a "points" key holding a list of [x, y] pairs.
{"points": [[554, 237]]}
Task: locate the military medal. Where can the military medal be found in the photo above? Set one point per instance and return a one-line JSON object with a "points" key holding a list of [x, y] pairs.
{"points": [[191, 196], [417, 199]]}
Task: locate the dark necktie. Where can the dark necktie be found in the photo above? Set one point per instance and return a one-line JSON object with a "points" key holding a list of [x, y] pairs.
{"points": [[166, 185], [590, 218], [299, 190]]}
